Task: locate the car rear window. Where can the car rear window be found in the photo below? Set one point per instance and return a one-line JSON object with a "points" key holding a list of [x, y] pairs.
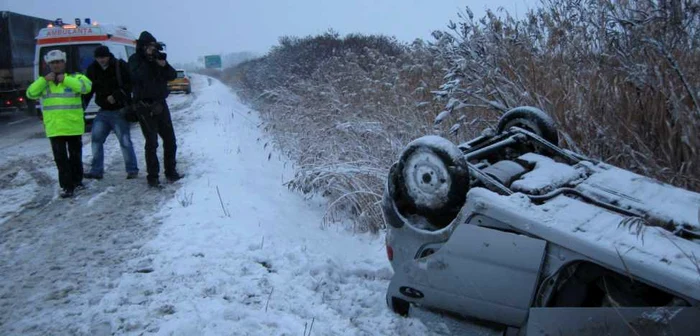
{"points": [[180, 74]]}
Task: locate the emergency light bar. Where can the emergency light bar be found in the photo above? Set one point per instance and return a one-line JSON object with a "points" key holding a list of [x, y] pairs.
{"points": [[59, 23]]}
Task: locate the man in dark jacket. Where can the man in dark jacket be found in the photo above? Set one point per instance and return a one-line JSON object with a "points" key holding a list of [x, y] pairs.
{"points": [[150, 73], [113, 94]]}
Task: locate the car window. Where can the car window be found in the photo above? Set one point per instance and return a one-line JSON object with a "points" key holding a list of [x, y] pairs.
{"points": [[118, 51], [85, 56], [180, 74], [130, 51]]}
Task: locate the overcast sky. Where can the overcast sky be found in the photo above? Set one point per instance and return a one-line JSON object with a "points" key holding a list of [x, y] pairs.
{"points": [[193, 28]]}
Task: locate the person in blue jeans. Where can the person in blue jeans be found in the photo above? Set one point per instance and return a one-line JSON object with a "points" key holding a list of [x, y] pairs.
{"points": [[112, 90]]}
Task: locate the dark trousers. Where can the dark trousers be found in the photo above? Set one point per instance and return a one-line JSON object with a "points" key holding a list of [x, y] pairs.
{"points": [[68, 155], [154, 125]]}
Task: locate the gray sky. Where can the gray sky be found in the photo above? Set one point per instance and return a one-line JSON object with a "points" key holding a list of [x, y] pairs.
{"points": [[193, 28]]}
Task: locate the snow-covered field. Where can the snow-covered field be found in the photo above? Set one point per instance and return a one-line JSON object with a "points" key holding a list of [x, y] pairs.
{"points": [[226, 251]]}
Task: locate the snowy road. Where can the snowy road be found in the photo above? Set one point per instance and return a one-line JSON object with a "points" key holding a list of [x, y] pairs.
{"points": [[22, 136], [226, 251], [58, 257]]}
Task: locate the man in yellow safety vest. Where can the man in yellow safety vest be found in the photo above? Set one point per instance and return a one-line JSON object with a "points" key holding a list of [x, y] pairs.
{"points": [[63, 116]]}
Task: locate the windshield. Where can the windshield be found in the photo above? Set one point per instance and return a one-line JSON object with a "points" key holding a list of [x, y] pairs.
{"points": [[180, 74], [79, 57]]}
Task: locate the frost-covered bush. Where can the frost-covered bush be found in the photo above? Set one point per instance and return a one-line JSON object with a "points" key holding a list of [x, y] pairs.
{"points": [[343, 108], [620, 77]]}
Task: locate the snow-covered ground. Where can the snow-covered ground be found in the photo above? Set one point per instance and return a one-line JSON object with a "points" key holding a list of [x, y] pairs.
{"points": [[226, 251]]}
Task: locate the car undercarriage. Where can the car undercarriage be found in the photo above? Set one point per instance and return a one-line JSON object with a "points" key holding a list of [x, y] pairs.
{"points": [[508, 225]]}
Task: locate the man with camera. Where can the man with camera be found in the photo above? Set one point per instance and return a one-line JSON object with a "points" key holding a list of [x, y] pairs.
{"points": [[150, 73], [111, 84]]}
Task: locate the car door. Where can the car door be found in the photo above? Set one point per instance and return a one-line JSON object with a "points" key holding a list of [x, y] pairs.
{"points": [[480, 272]]}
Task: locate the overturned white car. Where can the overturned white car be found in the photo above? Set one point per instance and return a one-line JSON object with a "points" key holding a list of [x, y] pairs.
{"points": [[511, 229]]}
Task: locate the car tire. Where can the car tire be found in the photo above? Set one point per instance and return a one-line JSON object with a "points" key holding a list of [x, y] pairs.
{"points": [[399, 306], [431, 179], [531, 119]]}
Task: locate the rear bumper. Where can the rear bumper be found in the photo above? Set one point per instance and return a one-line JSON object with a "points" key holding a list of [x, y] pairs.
{"points": [[13, 107], [179, 87], [9, 109]]}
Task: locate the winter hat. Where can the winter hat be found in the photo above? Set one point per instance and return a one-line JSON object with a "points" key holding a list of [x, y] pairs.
{"points": [[55, 55], [146, 38], [102, 51]]}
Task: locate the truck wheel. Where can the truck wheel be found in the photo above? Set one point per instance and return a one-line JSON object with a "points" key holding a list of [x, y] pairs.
{"points": [[531, 119], [433, 179]]}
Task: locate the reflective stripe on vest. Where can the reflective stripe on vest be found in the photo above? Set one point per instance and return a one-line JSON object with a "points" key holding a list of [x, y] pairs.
{"points": [[62, 95], [83, 87], [62, 107]]}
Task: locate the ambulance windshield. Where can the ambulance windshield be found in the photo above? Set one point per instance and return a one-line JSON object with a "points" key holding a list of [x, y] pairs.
{"points": [[79, 57]]}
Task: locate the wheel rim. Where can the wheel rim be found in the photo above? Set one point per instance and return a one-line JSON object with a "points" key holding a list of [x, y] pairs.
{"points": [[427, 179]]}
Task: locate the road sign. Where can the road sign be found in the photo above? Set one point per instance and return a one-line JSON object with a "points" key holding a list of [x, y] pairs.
{"points": [[212, 62]]}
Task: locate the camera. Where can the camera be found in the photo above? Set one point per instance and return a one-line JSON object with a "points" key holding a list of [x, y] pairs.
{"points": [[159, 55]]}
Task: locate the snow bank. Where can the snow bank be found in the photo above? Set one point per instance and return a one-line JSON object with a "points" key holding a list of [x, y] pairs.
{"points": [[238, 253]]}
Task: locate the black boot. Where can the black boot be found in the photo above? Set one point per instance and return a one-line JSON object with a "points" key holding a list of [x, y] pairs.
{"points": [[66, 193], [154, 183], [174, 177], [93, 176]]}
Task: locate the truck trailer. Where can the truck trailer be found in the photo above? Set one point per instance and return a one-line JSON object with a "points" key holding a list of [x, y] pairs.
{"points": [[17, 54]]}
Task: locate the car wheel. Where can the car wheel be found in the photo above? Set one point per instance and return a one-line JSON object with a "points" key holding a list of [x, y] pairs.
{"points": [[531, 119], [399, 306], [432, 179]]}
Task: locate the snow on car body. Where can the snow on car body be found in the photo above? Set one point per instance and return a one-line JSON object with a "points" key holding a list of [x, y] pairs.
{"points": [[511, 229]]}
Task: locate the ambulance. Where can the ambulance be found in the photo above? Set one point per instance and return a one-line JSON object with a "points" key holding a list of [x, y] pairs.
{"points": [[79, 40]]}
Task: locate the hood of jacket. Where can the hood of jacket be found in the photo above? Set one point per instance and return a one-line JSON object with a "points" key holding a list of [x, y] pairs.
{"points": [[144, 39]]}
